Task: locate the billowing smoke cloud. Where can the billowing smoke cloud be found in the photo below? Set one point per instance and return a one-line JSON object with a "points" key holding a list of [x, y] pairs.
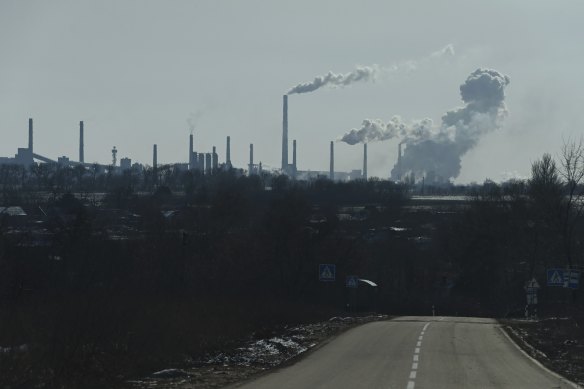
{"points": [[376, 130], [437, 151], [365, 73]]}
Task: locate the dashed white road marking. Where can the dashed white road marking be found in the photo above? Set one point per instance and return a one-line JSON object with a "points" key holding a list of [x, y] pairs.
{"points": [[414, 371]]}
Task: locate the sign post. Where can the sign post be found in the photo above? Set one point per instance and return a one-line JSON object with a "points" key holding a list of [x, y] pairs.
{"points": [[327, 273], [531, 288], [351, 283]]}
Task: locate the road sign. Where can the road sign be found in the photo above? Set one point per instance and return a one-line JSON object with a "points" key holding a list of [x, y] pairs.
{"points": [[532, 284], [573, 279], [327, 272], [555, 277], [352, 282]]}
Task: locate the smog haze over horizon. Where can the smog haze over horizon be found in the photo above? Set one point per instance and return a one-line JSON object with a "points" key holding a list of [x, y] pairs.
{"points": [[140, 73]]}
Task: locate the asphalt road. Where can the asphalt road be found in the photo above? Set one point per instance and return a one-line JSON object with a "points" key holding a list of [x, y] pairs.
{"points": [[415, 353]]}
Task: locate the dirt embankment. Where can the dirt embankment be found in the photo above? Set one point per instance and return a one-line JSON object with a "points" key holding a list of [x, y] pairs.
{"points": [[556, 342], [255, 355]]}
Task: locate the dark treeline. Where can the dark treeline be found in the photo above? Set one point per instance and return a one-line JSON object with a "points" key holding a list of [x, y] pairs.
{"points": [[160, 270]]}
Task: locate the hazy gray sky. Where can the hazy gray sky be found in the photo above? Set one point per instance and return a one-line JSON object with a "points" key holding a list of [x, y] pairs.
{"points": [[136, 71]]}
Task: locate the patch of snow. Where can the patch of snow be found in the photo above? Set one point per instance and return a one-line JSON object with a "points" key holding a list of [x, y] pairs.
{"points": [[170, 373]]}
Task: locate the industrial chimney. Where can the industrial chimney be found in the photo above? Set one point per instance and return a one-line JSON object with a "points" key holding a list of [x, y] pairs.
{"points": [[81, 145], [114, 156], [294, 159], [332, 163], [365, 161], [250, 169], [191, 164], [399, 157], [228, 154], [154, 157], [285, 135], [30, 134]]}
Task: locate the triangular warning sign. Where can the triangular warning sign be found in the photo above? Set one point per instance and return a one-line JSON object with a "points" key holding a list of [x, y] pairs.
{"points": [[533, 284], [557, 278], [326, 273]]}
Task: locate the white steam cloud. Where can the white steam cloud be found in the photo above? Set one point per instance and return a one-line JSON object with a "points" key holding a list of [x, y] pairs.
{"points": [[366, 73], [438, 150]]}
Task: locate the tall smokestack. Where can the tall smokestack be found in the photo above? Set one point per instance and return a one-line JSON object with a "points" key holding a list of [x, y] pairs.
{"points": [[81, 145], [399, 157], [191, 164], [155, 157], [294, 158], [285, 134], [365, 161], [250, 171], [332, 166], [228, 153], [30, 134]]}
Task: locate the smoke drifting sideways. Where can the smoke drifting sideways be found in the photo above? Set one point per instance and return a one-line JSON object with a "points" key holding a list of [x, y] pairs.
{"points": [[438, 150], [366, 73]]}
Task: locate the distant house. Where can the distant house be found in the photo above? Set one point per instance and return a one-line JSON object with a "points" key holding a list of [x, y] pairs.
{"points": [[12, 211], [13, 216]]}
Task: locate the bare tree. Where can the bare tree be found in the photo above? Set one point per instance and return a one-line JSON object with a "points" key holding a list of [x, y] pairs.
{"points": [[545, 185], [572, 173]]}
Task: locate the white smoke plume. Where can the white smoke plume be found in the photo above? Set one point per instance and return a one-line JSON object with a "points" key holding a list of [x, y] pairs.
{"points": [[438, 150], [376, 130], [366, 73], [193, 119]]}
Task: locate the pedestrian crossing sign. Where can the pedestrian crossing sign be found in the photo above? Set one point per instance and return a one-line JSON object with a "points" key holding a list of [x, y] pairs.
{"points": [[352, 282], [555, 277], [327, 272]]}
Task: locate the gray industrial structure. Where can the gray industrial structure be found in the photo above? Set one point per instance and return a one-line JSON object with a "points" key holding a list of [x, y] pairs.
{"points": [[292, 169], [289, 169], [204, 162], [81, 143], [365, 161]]}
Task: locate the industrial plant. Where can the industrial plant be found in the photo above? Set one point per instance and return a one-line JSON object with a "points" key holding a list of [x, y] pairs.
{"points": [[204, 161]]}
